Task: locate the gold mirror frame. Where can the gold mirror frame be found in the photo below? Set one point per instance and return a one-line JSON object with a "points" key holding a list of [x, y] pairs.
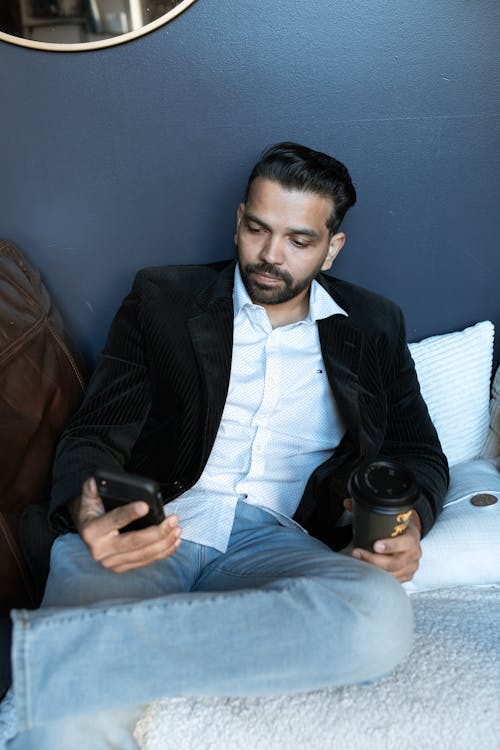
{"points": [[101, 43]]}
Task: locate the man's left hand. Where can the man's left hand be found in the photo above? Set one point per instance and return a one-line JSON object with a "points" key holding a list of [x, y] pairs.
{"points": [[398, 555]]}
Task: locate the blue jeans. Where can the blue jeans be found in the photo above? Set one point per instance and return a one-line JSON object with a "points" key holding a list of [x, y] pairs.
{"points": [[277, 613]]}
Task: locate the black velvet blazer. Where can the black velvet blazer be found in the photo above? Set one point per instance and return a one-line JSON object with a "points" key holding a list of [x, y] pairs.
{"points": [[156, 398]]}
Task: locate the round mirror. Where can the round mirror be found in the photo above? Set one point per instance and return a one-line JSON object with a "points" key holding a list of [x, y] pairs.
{"points": [[66, 25]]}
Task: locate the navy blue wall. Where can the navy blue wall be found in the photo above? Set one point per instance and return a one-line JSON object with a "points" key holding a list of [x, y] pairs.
{"points": [[137, 154]]}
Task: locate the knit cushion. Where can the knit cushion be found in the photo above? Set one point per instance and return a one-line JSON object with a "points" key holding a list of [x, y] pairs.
{"points": [[454, 371]]}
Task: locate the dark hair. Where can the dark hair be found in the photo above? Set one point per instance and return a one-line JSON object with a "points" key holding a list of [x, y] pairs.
{"points": [[300, 168]]}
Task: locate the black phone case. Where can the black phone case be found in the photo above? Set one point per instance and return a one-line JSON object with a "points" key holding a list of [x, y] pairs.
{"points": [[119, 488]]}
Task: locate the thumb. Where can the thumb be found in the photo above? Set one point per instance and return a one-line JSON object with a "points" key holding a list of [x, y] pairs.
{"points": [[91, 505]]}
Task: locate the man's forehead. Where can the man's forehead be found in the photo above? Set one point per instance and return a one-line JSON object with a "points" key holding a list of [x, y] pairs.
{"points": [[269, 195]]}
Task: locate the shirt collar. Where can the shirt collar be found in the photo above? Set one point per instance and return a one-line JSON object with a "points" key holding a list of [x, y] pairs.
{"points": [[321, 305]]}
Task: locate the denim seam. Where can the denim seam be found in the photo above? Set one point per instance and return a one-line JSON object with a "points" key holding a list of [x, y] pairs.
{"points": [[22, 677], [54, 620], [201, 564], [28, 709]]}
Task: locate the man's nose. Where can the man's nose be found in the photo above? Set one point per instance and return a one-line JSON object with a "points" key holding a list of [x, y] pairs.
{"points": [[273, 251]]}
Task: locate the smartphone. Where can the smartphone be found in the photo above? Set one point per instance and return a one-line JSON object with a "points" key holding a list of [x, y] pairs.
{"points": [[119, 488]]}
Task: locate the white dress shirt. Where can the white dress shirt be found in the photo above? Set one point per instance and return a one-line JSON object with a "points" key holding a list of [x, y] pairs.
{"points": [[279, 423]]}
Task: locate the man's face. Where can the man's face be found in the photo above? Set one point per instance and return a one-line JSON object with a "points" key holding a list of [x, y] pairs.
{"points": [[283, 241]]}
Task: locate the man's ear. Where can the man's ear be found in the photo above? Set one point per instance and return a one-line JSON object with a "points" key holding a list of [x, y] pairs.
{"points": [[239, 214], [336, 244]]}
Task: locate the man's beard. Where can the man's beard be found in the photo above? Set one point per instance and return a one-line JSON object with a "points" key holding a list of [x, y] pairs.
{"points": [[272, 295]]}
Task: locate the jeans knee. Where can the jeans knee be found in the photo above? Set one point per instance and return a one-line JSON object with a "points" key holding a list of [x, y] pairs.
{"points": [[386, 625], [367, 619]]}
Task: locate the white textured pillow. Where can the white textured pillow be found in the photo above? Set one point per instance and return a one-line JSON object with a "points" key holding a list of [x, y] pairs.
{"points": [[463, 547], [454, 371]]}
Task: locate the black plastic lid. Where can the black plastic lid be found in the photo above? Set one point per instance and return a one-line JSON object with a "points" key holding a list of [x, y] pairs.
{"points": [[388, 483]]}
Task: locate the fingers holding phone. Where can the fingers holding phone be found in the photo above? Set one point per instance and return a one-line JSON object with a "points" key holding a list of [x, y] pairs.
{"points": [[103, 516], [114, 515]]}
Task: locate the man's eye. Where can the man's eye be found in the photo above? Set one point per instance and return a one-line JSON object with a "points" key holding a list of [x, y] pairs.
{"points": [[255, 230], [299, 243]]}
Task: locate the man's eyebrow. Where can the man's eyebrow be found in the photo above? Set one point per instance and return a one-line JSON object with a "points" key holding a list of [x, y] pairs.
{"points": [[304, 230], [249, 216]]}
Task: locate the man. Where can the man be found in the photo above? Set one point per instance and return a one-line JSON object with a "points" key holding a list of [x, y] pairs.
{"points": [[249, 391]]}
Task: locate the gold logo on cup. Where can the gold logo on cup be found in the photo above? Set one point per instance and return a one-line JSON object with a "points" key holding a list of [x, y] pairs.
{"points": [[402, 523]]}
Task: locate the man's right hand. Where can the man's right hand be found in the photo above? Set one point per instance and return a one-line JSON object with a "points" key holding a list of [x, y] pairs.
{"points": [[121, 552]]}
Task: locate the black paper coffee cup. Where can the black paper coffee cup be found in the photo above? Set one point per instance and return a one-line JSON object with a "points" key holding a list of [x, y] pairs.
{"points": [[383, 493]]}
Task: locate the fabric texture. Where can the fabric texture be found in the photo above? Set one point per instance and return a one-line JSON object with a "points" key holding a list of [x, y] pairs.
{"points": [[453, 654], [464, 545], [454, 371], [238, 623], [162, 382], [279, 422]]}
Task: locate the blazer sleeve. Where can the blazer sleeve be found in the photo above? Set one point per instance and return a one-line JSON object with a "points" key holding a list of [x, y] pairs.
{"points": [[116, 406], [410, 435]]}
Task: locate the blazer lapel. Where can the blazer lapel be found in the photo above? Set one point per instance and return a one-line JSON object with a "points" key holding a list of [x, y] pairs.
{"points": [[352, 372], [212, 338], [341, 346]]}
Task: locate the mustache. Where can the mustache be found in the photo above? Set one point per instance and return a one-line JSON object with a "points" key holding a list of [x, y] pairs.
{"points": [[269, 269]]}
